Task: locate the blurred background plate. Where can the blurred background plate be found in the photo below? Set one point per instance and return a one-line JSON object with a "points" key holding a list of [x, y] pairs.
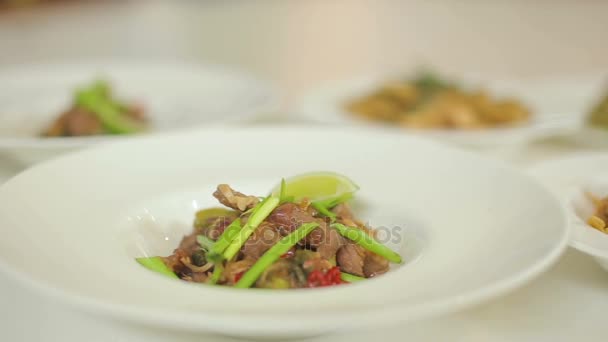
{"points": [[558, 104], [175, 96]]}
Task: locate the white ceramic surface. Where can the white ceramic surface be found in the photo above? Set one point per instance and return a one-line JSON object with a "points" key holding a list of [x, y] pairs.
{"points": [[176, 96], [461, 207], [558, 105], [570, 178]]}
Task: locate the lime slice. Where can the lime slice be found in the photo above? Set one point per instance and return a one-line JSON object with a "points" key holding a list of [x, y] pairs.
{"points": [[317, 186]]}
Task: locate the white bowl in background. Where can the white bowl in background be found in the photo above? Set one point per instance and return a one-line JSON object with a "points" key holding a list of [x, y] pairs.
{"points": [[176, 96], [471, 228]]}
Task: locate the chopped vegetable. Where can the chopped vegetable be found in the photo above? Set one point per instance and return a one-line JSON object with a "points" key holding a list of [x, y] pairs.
{"points": [[215, 253], [205, 242], [259, 214], [323, 210], [109, 115], [274, 253], [157, 265], [367, 242], [218, 268], [350, 278], [317, 278], [202, 216]]}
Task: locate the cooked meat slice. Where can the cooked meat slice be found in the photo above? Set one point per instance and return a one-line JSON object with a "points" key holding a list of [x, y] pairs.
{"points": [[198, 277], [264, 237], [234, 199], [235, 269], [343, 211], [189, 243], [289, 216], [82, 122], [57, 128], [330, 243], [312, 261], [351, 259], [174, 262], [374, 265]]}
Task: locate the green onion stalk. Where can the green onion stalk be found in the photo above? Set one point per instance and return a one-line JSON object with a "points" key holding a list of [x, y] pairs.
{"points": [[367, 242], [274, 254], [258, 215]]}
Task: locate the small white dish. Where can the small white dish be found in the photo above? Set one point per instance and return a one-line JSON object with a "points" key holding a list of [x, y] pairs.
{"points": [[558, 106], [471, 228], [581, 207], [175, 95], [571, 179]]}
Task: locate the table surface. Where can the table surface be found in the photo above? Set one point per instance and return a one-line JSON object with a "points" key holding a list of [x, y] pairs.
{"points": [[566, 303]]}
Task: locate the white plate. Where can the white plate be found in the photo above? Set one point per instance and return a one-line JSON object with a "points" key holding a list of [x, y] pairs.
{"points": [[569, 178], [471, 228], [176, 96], [558, 106]]}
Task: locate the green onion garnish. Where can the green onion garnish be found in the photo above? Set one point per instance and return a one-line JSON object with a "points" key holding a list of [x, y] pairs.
{"points": [[157, 265], [367, 242], [273, 254], [259, 214]]}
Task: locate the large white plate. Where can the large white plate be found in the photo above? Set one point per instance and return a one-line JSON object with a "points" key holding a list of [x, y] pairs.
{"points": [[558, 104], [176, 95], [471, 229]]}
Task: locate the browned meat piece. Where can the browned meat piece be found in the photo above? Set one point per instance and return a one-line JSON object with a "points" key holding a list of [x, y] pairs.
{"points": [[343, 211], [235, 269], [174, 262], [198, 277], [82, 122], [189, 243], [75, 122], [234, 199], [374, 265], [57, 128], [264, 237], [330, 243], [351, 259], [288, 217]]}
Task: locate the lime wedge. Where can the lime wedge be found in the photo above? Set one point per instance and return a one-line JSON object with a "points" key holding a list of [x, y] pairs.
{"points": [[317, 186]]}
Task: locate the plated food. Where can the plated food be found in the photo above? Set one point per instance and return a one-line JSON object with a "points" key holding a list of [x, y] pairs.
{"points": [[289, 239], [599, 219], [458, 250], [428, 102], [95, 110], [470, 112], [50, 109]]}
